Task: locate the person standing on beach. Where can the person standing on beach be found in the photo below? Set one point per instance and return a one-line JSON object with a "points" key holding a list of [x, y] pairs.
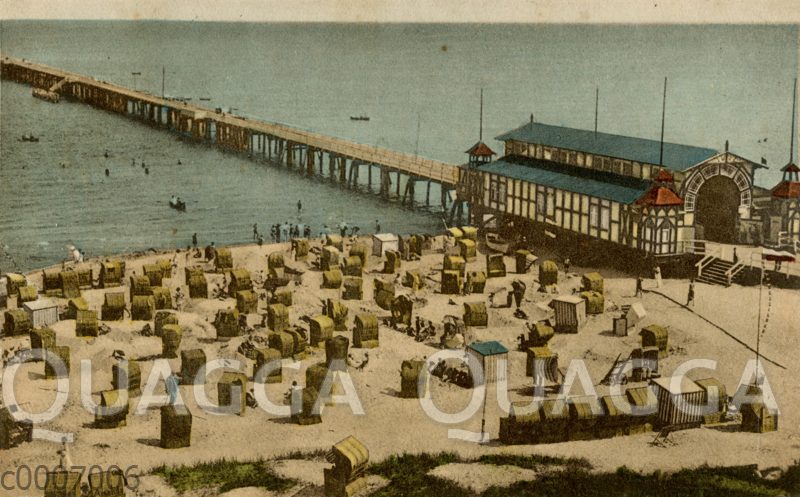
{"points": [[639, 290], [255, 231], [690, 296], [194, 240], [172, 388]]}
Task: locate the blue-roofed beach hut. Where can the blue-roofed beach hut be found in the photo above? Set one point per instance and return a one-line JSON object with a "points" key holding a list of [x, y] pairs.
{"points": [[488, 354]]}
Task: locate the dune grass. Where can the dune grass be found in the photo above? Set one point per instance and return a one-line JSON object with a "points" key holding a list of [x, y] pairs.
{"points": [[224, 475]]}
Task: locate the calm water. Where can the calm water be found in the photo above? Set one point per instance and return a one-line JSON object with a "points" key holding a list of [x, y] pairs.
{"points": [[725, 83]]}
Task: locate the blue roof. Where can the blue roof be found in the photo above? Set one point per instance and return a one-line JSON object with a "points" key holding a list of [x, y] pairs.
{"points": [[676, 157], [600, 184], [488, 348]]}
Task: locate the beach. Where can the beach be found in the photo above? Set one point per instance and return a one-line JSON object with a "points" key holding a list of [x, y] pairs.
{"points": [[394, 425]]}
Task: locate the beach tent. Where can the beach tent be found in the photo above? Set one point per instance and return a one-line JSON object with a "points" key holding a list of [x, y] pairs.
{"points": [[592, 282], [51, 284], [336, 352], [171, 341], [246, 301], [353, 288], [16, 322], [86, 324], [410, 372], [330, 258], [383, 242], [495, 266], [198, 286], [570, 313], [548, 274], [352, 266], [350, 459], [111, 274], [42, 312], [240, 281], [365, 332], [277, 317], [162, 317], [113, 308], [191, 362], [475, 314], [488, 355], [162, 298], [656, 336], [176, 427], [75, 305], [127, 374], [392, 263], [383, 293], [27, 293], [320, 328], [267, 356], [332, 279], [467, 249], [680, 401], [223, 260], [476, 282], [360, 250], [142, 308], [338, 312], [154, 273]]}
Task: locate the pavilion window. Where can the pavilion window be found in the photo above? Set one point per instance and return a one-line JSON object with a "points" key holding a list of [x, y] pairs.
{"points": [[551, 203]]}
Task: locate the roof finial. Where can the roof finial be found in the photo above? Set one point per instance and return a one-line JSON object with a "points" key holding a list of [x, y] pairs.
{"points": [[726, 145], [794, 111], [480, 133], [596, 103], [663, 112]]}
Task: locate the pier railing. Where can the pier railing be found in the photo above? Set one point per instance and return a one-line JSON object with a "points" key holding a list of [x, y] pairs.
{"points": [[198, 122]]}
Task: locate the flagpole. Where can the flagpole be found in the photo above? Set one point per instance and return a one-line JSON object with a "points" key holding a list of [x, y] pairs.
{"points": [[758, 330]]}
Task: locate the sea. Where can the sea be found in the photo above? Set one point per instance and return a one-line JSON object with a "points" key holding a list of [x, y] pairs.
{"points": [[418, 83]]}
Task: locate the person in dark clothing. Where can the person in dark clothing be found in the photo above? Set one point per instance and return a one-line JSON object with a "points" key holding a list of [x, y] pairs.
{"points": [[194, 240], [690, 296], [735, 256], [639, 289], [299, 206], [377, 226], [255, 231]]}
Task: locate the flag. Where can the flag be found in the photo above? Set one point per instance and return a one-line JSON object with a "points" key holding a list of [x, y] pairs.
{"points": [[763, 161]]}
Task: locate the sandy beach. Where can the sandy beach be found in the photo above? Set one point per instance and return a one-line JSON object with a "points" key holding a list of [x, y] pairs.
{"points": [[393, 425]]}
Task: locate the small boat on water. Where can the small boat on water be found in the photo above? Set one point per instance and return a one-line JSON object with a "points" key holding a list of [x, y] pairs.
{"points": [[205, 99], [497, 243], [178, 205], [29, 138], [359, 118]]}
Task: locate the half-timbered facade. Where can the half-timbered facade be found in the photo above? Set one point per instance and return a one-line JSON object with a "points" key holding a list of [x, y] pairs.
{"points": [[612, 188]]}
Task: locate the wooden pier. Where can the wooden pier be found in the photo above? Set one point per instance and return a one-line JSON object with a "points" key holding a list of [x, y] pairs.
{"points": [[295, 148]]}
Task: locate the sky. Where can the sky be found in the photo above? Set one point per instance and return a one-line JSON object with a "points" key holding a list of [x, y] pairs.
{"points": [[507, 11]]}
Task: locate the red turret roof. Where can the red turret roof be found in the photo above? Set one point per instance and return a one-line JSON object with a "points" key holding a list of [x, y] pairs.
{"points": [[481, 149], [791, 168], [787, 189], [661, 194]]}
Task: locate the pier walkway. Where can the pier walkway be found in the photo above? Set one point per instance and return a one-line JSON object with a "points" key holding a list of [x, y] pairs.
{"points": [[296, 148]]}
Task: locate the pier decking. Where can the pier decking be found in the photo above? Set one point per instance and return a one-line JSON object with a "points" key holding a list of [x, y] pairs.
{"points": [[296, 148]]}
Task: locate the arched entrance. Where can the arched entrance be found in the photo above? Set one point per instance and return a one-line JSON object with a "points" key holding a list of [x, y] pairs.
{"points": [[717, 209]]}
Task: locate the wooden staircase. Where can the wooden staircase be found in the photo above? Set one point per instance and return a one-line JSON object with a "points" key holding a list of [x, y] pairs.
{"points": [[714, 273]]}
